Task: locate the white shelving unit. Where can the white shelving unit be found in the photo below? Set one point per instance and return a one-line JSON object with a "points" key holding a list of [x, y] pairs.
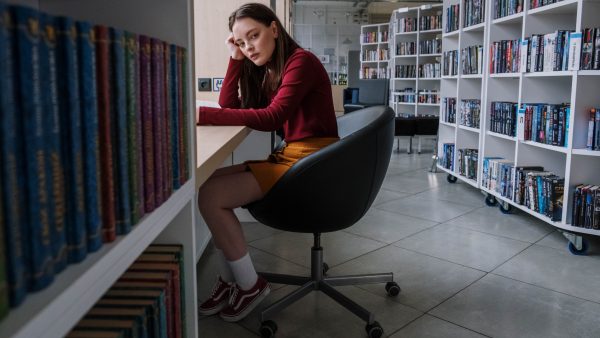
{"points": [[575, 163], [53, 311], [417, 83], [374, 53]]}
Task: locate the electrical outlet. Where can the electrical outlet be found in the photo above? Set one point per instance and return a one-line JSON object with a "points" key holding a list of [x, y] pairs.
{"points": [[204, 84]]}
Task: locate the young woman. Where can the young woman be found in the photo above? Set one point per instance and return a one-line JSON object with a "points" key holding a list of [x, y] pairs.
{"points": [[284, 87]]}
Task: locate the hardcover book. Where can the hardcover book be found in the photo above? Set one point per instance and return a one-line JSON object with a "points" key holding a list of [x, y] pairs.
{"points": [[147, 122], [154, 310], [4, 304], [175, 118], [128, 328], [138, 315], [158, 119], [574, 50]]}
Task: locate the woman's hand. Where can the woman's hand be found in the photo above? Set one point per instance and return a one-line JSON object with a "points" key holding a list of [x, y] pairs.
{"points": [[236, 52]]}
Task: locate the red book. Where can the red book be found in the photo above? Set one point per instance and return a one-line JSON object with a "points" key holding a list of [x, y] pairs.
{"points": [[157, 118], [182, 116], [147, 122], [168, 175], [106, 151]]}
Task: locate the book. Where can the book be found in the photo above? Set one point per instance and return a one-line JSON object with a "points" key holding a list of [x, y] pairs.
{"points": [[12, 164], [596, 216], [153, 319], [128, 327], [175, 119], [167, 109], [37, 224], [86, 55], [156, 61], [184, 116], [587, 48], [70, 104], [574, 50], [590, 133], [154, 295], [155, 310], [4, 303], [119, 137], [94, 334], [138, 315], [107, 172], [148, 123]]}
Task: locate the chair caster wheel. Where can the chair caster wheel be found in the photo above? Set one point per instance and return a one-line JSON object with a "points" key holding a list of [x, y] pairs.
{"points": [[392, 288], [268, 329], [491, 201], [451, 179], [374, 330], [325, 268]]}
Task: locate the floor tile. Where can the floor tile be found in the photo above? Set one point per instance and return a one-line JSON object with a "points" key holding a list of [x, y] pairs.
{"points": [[215, 327], [316, 315], [433, 210], [337, 246], [502, 307], [554, 240], [557, 270], [410, 185], [255, 230], [430, 327], [519, 226], [463, 246], [425, 281], [388, 227], [458, 192], [385, 195]]}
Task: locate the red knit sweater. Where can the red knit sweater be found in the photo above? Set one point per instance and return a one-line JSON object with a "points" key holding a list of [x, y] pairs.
{"points": [[302, 105]]}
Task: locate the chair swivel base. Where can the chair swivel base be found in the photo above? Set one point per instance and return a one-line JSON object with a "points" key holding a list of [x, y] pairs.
{"points": [[318, 281]]}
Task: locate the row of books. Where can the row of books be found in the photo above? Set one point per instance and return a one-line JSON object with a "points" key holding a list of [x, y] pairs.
{"points": [[474, 12], [405, 71], [452, 18], [593, 139], [406, 95], [428, 96], [450, 60], [497, 175], [430, 70], [544, 123], [433, 46], [379, 54], [430, 22], [505, 56], [405, 25], [372, 37], [586, 206], [533, 4], [446, 158], [504, 8], [94, 136], [471, 60], [470, 112], [373, 73], [148, 300], [467, 163], [406, 48], [449, 109], [548, 52], [503, 118], [590, 50]]}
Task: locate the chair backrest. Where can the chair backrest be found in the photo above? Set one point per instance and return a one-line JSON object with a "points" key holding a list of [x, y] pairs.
{"points": [[373, 92], [334, 187]]}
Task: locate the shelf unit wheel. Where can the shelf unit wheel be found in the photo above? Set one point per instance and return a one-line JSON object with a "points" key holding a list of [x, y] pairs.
{"points": [[491, 201], [325, 268], [451, 178], [392, 289], [505, 208], [579, 252], [268, 329], [374, 330]]}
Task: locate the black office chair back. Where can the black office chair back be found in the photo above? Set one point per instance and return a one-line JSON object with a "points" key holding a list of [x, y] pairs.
{"points": [[334, 187]]}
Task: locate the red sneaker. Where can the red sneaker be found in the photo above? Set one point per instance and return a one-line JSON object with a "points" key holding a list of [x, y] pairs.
{"points": [[217, 300], [242, 302]]}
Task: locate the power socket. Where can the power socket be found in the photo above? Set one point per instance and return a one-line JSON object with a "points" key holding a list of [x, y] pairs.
{"points": [[204, 84]]}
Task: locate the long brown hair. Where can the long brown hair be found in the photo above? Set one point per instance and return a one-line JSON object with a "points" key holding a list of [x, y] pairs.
{"points": [[255, 83]]}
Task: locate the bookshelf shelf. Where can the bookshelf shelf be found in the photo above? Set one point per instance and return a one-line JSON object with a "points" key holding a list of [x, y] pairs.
{"points": [[451, 34], [502, 136], [422, 40], [471, 76], [546, 146], [429, 104], [405, 56], [509, 19], [562, 7], [53, 311], [471, 129], [588, 72], [506, 75], [550, 74], [448, 171], [450, 77], [475, 28], [405, 103], [407, 33], [453, 125], [374, 43], [468, 180], [585, 152]]}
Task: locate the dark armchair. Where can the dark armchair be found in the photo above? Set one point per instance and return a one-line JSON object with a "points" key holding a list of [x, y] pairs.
{"points": [[328, 191]]}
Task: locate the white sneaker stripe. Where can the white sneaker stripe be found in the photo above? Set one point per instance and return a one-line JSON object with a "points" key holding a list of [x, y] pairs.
{"points": [[218, 297], [241, 299]]}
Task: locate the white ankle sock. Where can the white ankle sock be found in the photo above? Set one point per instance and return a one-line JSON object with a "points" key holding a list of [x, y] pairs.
{"points": [[223, 266], [244, 273]]}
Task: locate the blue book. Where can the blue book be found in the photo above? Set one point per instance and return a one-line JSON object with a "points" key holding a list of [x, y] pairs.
{"points": [[12, 164], [119, 131], [86, 56], [68, 89], [175, 123], [567, 116], [37, 223], [55, 164]]}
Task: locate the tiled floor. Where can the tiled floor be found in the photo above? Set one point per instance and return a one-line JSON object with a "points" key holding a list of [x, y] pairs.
{"points": [[465, 269]]}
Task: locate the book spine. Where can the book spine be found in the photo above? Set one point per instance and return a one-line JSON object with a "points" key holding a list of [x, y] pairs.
{"points": [[147, 122], [86, 55], [175, 121], [157, 118], [596, 217], [185, 175], [30, 99], [597, 130], [119, 131], [55, 168], [140, 127], [574, 50], [4, 304], [167, 144], [133, 150], [104, 126]]}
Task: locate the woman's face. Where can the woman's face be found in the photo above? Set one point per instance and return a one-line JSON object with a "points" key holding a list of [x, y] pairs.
{"points": [[255, 40]]}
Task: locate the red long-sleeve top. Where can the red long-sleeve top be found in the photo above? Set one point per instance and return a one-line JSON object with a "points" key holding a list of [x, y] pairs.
{"points": [[303, 104]]}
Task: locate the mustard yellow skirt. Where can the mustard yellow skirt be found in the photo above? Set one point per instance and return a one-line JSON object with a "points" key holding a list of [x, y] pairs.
{"points": [[269, 171]]}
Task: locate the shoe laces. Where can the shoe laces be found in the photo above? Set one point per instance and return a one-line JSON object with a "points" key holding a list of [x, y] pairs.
{"points": [[233, 292], [217, 287]]}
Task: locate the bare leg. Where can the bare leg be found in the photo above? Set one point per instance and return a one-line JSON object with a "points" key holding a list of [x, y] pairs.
{"points": [[236, 168], [217, 198]]}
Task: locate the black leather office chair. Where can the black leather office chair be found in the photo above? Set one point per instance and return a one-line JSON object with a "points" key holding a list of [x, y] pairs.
{"points": [[371, 92], [328, 191]]}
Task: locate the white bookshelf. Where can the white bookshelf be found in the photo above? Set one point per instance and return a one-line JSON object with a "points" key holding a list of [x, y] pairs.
{"points": [[374, 53], [417, 83], [52, 312], [575, 163]]}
